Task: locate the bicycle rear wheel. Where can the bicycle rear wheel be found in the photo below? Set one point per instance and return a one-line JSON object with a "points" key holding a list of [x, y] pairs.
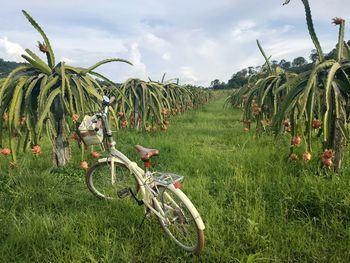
{"points": [[180, 225], [99, 180]]}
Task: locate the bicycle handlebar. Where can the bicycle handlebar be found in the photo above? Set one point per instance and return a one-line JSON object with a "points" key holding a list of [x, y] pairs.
{"points": [[111, 100], [106, 102]]}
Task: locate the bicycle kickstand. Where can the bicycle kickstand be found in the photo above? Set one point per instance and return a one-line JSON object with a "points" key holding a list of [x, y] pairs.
{"points": [[148, 212]]}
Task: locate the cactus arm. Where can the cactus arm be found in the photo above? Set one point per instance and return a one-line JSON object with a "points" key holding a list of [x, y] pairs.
{"points": [[50, 55], [83, 72], [340, 46], [311, 29], [264, 55]]}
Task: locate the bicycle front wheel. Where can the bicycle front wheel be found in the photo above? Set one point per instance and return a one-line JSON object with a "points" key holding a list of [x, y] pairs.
{"points": [[180, 224], [100, 182]]}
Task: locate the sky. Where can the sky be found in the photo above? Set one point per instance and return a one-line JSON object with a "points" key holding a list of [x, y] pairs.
{"points": [[195, 41]]}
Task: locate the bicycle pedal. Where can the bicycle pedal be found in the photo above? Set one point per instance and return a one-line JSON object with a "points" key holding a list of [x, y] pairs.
{"points": [[123, 193]]}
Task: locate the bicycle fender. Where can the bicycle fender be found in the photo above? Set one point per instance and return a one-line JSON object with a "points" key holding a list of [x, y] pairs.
{"points": [[191, 207]]}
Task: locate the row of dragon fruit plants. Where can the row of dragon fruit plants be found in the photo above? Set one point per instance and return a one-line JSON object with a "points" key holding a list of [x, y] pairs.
{"points": [[312, 106], [44, 100]]}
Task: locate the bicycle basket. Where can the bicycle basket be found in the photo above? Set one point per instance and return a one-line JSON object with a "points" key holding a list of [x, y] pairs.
{"points": [[88, 133]]}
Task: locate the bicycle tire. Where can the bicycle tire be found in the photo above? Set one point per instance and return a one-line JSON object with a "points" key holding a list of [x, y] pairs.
{"points": [[98, 180], [183, 217]]}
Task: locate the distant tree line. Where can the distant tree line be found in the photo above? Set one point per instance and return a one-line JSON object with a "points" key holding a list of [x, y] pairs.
{"points": [[297, 65], [7, 66]]}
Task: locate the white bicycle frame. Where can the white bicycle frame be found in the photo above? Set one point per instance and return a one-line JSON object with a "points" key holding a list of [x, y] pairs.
{"points": [[144, 179]]}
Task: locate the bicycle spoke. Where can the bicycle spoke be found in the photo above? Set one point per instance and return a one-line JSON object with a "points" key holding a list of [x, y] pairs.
{"points": [[179, 223], [100, 182]]}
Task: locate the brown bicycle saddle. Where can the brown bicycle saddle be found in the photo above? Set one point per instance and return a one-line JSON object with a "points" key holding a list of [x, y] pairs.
{"points": [[146, 153]]}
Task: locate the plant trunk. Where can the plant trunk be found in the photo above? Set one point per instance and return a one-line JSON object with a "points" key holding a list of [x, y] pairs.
{"points": [[338, 137], [338, 147], [136, 114], [61, 151]]}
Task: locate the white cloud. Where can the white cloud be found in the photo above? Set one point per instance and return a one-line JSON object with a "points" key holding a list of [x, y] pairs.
{"points": [[286, 28], [10, 50], [88, 39], [188, 74], [155, 41], [284, 48], [322, 11], [67, 60], [166, 56], [250, 61], [245, 30], [139, 67], [208, 49]]}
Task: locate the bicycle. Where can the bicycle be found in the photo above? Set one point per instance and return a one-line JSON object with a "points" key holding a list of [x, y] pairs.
{"points": [[118, 177]]}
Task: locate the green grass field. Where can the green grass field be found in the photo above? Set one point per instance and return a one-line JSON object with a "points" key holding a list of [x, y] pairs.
{"points": [[256, 205]]}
